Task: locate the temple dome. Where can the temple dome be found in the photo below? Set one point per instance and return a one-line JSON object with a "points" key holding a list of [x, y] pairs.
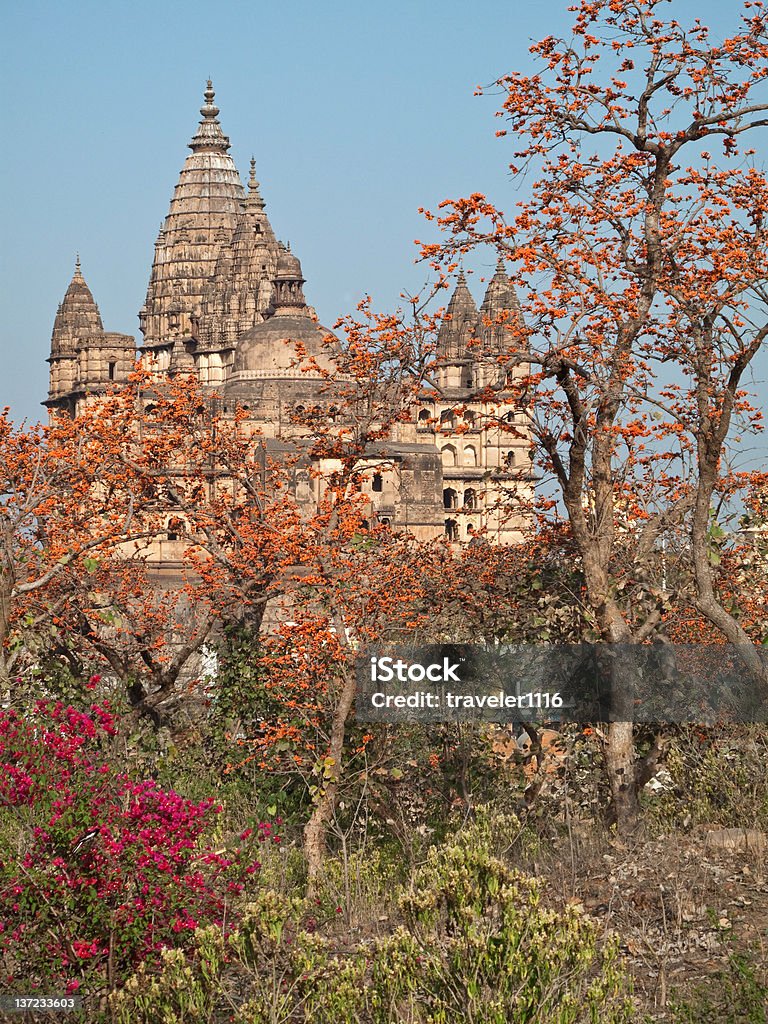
{"points": [[269, 350], [288, 266]]}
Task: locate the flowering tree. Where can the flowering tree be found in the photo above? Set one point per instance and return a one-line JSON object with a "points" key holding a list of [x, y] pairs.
{"points": [[67, 499], [643, 256]]}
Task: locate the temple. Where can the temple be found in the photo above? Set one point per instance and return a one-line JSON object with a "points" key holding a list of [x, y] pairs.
{"points": [[226, 302]]}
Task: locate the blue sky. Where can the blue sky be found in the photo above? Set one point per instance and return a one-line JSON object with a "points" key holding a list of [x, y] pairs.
{"points": [[357, 114]]}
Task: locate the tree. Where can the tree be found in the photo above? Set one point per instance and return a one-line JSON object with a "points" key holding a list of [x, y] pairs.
{"points": [[67, 500], [643, 259]]}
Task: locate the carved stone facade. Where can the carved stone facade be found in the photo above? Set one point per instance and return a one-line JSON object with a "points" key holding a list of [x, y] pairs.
{"points": [[225, 300]]}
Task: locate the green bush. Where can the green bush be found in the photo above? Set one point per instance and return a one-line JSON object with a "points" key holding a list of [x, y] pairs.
{"points": [[476, 943]]}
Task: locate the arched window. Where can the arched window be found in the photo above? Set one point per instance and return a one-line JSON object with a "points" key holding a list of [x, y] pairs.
{"points": [[509, 460], [447, 419], [451, 529], [385, 521], [470, 456], [174, 528], [424, 417], [470, 499], [448, 453], [377, 484], [450, 498], [469, 418], [111, 369], [333, 414]]}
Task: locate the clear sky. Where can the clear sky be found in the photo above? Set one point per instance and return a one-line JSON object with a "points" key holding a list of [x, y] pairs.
{"points": [[357, 114]]}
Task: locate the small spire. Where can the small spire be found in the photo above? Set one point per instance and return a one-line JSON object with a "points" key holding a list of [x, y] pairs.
{"points": [[254, 196], [77, 262]]}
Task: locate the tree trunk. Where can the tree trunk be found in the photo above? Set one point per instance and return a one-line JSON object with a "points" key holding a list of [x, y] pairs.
{"points": [[316, 829], [622, 774]]}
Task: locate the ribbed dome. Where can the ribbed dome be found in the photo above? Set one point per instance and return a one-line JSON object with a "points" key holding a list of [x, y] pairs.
{"points": [[288, 266], [268, 351]]}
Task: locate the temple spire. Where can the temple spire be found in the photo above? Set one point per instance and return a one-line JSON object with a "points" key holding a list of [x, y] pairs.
{"points": [[500, 295], [206, 204]]}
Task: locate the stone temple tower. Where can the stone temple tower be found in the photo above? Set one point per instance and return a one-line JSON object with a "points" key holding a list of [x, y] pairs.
{"points": [[204, 211], [84, 358]]}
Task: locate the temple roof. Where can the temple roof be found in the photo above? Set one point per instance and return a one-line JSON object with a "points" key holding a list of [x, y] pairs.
{"points": [[77, 317]]}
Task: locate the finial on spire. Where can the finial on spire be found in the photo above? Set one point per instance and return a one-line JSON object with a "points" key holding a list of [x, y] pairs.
{"points": [[77, 262], [209, 110], [209, 134]]}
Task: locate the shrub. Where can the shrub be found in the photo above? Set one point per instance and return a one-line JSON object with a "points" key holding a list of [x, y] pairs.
{"points": [[476, 943], [109, 870]]}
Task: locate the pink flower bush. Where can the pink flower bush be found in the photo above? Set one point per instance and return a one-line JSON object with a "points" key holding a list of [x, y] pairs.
{"points": [[115, 869]]}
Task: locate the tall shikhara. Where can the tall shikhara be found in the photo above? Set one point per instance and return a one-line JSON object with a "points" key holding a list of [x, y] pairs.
{"points": [[205, 207], [225, 302]]}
